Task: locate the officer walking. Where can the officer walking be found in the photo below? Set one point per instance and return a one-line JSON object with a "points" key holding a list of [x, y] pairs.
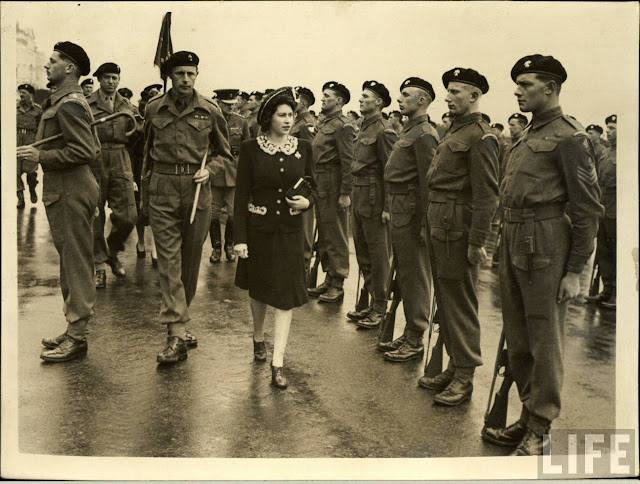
{"points": [[116, 174], [333, 155], [224, 183], [28, 118], [544, 249], [463, 195], [87, 87], [607, 237], [370, 207], [181, 128], [406, 178], [70, 193]]}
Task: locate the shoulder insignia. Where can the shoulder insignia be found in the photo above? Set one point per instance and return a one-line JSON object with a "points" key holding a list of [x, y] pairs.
{"points": [[311, 127], [489, 135], [390, 131], [573, 122], [580, 133]]}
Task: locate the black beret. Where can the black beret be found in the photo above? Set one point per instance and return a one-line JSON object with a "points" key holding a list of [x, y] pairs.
{"points": [[447, 115], [539, 64], [420, 84], [486, 118], [107, 68], [181, 58], [76, 54], [86, 82], [379, 90], [228, 96], [26, 87], [244, 95], [157, 87], [595, 127], [466, 76], [519, 117], [498, 125], [126, 92], [257, 94], [611, 119], [340, 89], [273, 95], [307, 92]]}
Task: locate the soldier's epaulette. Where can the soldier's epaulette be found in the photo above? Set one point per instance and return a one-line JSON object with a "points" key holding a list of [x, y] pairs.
{"points": [[581, 133], [390, 131], [573, 122], [155, 98], [344, 119]]}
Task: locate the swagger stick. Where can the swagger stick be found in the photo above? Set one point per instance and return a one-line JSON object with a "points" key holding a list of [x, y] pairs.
{"points": [[195, 199]]}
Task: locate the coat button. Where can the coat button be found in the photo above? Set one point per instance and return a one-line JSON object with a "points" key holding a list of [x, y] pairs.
{"points": [[281, 159], [279, 190], [277, 212], [281, 170], [279, 201]]}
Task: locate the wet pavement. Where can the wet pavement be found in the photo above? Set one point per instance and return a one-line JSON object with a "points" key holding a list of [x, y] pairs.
{"points": [[343, 399]]}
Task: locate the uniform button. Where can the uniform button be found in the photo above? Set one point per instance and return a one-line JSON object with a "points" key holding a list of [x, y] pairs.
{"points": [[277, 212], [281, 170]]}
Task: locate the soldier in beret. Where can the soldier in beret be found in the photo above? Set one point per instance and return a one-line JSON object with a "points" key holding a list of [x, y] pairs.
{"points": [[406, 178], [28, 118], [116, 175], [544, 248], [607, 236], [181, 128], [395, 118], [87, 87], [517, 123], [223, 184], [595, 132], [253, 104], [463, 196], [70, 193], [370, 207], [333, 156]]}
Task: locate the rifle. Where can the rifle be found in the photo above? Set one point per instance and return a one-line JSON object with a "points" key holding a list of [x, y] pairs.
{"points": [[496, 416], [363, 300], [594, 288], [312, 281], [393, 293], [433, 366]]}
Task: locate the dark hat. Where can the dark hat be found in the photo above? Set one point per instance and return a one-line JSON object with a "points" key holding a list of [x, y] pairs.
{"points": [[500, 126], [126, 92], [379, 90], [420, 84], [86, 82], [611, 119], [466, 76], [307, 92], [26, 87], [447, 115], [76, 54], [271, 96], [158, 87], [340, 89], [181, 58], [244, 95], [540, 64], [107, 68], [486, 118], [257, 94], [595, 127], [519, 117], [228, 96]]}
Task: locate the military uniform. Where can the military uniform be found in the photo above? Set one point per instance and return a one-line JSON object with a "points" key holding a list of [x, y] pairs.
{"points": [[370, 235], [406, 178], [28, 118], [176, 142], [607, 236], [116, 177], [254, 127]]}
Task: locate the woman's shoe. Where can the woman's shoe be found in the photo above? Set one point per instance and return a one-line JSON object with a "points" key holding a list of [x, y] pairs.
{"points": [[277, 376], [141, 253], [259, 350]]}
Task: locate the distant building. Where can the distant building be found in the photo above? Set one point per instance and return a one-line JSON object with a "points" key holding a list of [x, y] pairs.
{"points": [[29, 60]]}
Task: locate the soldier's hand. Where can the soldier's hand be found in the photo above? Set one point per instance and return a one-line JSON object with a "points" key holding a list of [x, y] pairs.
{"points": [[201, 176], [30, 158], [569, 287], [386, 217], [298, 202], [241, 250], [344, 202], [476, 255]]}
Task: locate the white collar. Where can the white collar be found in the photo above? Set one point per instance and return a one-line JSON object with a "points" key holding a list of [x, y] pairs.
{"points": [[288, 147]]}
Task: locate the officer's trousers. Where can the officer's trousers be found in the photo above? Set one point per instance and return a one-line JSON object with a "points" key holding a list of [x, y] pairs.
{"points": [[70, 198], [606, 254], [533, 320], [32, 178], [116, 188], [333, 226], [221, 197], [179, 243]]}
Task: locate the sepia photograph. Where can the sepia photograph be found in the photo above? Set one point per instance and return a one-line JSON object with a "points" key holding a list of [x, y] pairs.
{"points": [[332, 240]]}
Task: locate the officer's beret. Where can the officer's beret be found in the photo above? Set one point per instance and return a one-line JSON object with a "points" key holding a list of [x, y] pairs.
{"points": [[107, 68], [379, 90], [447, 115], [244, 95], [76, 54], [87, 82], [466, 76], [498, 125], [307, 92], [595, 127], [611, 119], [274, 95], [420, 84], [340, 89], [228, 96], [519, 117], [181, 58], [26, 87], [486, 118], [539, 64], [126, 92]]}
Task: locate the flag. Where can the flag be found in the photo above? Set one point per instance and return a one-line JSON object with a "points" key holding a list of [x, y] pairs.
{"points": [[165, 49]]}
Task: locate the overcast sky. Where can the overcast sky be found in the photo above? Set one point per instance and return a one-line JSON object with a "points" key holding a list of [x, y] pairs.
{"points": [[251, 46]]}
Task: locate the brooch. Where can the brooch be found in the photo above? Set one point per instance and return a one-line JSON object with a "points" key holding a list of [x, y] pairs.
{"points": [[293, 211], [257, 210], [298, 155]]}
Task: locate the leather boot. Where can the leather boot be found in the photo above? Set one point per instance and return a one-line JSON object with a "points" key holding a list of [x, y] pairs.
{"points": [[101, 278], [599, 298], [438, 382], [21, 203], [372, 320], [321, 289], [406, 352], [356, 315], [455, 393], [277, 376], [189, 339], [216, 255], [33, 194], [391, 345], [53, 343], [69, 349], [228, 252], [610, 303], [175, 351], [333, 295], [116, 266], [531, 444], [509, 436], [228, 240], [259, 350]]}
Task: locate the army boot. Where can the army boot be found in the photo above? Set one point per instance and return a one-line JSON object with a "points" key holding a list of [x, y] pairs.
{"points": [[335, 294], [509, 436], [321, 289], [407, 352], [69, 349], [175, 351], [531, 444]]}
